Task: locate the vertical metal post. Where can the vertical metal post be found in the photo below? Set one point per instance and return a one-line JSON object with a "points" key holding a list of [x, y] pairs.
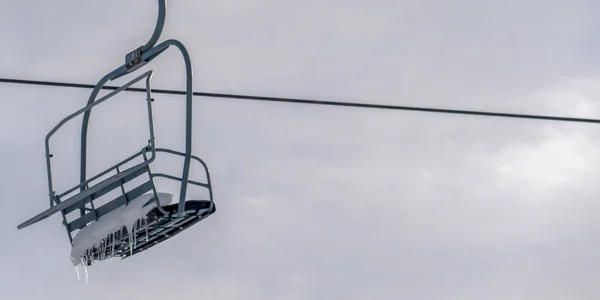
{"points": [[160, 23], [188, 122], [84, 126]]}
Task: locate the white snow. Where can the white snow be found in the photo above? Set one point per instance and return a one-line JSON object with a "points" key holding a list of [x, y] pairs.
{"points": [[96, 233]]}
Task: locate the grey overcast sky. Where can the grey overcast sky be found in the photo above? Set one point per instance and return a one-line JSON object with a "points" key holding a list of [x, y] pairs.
{"points": [[321, 202]]}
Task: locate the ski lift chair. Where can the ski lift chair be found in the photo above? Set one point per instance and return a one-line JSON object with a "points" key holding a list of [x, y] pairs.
{"points": [[163, 222]]}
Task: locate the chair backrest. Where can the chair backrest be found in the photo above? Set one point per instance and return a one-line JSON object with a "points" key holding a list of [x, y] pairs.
{"points": [[95, 192]]}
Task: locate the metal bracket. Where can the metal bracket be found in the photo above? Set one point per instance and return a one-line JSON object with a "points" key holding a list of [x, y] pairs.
{"points": [[133, 60]]}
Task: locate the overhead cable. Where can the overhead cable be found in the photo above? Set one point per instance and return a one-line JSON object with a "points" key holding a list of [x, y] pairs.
{"points": [[312, 102]]}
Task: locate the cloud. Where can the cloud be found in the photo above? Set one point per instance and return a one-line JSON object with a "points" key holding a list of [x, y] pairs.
{"points": [[320, 202]]}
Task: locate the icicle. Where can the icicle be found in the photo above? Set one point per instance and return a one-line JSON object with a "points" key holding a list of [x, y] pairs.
{"points": [[137, 227], [112, 251], [77, 270], [89, 255], [120, 237], [130, 229], [102, 251], [132, 238], [146, 227], [84, 262], [87, 277]]}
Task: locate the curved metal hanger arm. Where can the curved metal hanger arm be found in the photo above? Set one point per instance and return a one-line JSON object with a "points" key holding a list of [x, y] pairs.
{"points": [[160, 23], [133, 60]]}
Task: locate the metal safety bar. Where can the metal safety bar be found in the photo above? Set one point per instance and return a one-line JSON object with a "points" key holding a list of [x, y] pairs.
{"points": [[56, 205], [86, 109], [207, 185]]}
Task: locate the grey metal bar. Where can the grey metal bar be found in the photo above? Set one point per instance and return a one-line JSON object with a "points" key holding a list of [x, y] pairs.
{"points": [[151, 142], [117, 72], [92, 102], [162, 12], [110, 206], [106, 186], [182, 154], [79, 197], [154, 52], [123, 192], [206, 170], [105, 79], [91, 105], [64, 217], [85, 109], [85, 183], [154, 190], [179, 179], [188, 120], [150, 115]]}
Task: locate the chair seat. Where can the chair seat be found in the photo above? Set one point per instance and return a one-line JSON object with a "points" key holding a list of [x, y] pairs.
{"points": [[156, 229]]}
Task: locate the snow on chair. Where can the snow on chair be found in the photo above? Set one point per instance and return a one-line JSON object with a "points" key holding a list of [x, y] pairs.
{"points": [[140, 217]]}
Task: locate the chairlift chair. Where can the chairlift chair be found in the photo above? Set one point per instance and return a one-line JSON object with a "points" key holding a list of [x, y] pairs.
{"points": [[162, 222]]}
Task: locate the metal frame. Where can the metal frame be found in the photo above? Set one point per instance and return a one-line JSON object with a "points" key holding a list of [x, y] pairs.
{"points": [[133, 61]]}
